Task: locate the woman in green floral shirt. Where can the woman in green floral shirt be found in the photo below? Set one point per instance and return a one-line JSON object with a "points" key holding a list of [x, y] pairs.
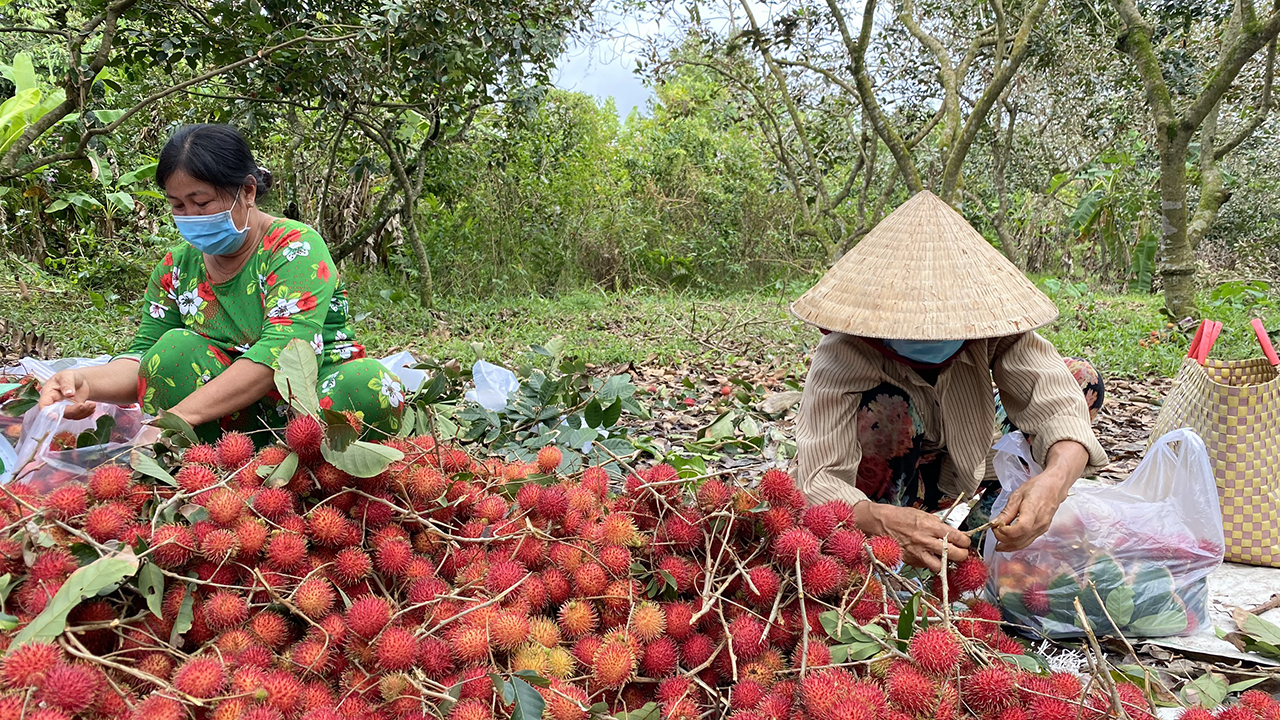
{"points": [[221, 307]]}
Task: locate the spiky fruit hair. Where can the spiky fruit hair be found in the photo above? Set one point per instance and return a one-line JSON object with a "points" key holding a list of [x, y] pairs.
{"points": [[273, 503], [886, 550], [367, 615], [271, 628], [195, 478], [648, 621], [616, 559], [225, 610], [967, 576], [303, 435], [233, 450], [201, 677], [286, 551], [797, 543], [66, 502], [202, 454], [617, 529], [578, 618], [328, 526], [396, 649], [70, 688], [549, 458], [27, 664], [614, 664], [910, 690], [762, 586], [110, 482], [589, 580], [748, 636], [660, 658], [824, 577], [509, 630], [564, 701], [936, 650]]}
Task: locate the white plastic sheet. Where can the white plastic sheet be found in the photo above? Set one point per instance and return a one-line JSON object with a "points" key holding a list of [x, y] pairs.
{"points": [[401, 365], [493, 385]]}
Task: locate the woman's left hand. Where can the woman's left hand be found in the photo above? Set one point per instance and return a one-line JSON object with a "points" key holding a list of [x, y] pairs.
{"points": [[1030, 511]]}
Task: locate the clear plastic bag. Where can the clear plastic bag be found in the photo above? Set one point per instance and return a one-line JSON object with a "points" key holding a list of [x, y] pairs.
{"points": [[494, 384], [1146, 545], [46, 468]]}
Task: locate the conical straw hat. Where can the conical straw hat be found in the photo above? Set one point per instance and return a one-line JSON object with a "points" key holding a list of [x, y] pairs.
{"points": [[924, 273]]}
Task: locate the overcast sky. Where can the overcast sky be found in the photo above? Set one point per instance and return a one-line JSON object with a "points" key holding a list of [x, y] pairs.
{"points": [[604, 68]]}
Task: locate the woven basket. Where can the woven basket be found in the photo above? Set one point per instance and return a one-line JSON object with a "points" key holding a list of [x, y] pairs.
{"points": [[1235, 407]]}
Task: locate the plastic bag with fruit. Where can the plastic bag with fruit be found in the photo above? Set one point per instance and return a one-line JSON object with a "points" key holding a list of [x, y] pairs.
{"points": [[53, 450], [1137, 555]]}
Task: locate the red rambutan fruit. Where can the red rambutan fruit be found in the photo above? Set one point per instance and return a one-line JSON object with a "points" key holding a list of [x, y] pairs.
{"points": [[225, 506], [273, 503], [110, 482], [219, 546], [967, 576], [392, 557], [648, 621], [590, 580], [886, 550], [553, 503], [990, 689], [748, 637], [105, 522], [777, 487], [509, 630], [1036, 599], [796, 543], [557, 584], [286, 551], [396, 649], [26, 665], [847, 546], [617, 529], [65, 502], [350, 566], [195, 478], [549, 458], [935, 650], [328, 527], [71, 688], [303, 435], [777, 520], [766, 583], [225, 610], [909, 690], [368, 615], [469, 643], [820, 520], [233, 450], [823, 577], [578, 618], [201, 677], [158, 707], [272, 629], [564, 701], [202, 454], [660, 658], [434, 658], [614, 664], [616, 559], [314, 597]]}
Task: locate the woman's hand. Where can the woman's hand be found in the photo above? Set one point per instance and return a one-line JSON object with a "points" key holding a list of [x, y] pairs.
{"points": [[919, 533], [70, 385], [1032, 506]]}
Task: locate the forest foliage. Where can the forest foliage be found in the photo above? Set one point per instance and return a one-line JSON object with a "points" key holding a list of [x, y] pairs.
{"points": [[424, 138]]}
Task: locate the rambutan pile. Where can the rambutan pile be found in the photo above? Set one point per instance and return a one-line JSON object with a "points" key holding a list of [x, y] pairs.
{"points": [[400, 597]]}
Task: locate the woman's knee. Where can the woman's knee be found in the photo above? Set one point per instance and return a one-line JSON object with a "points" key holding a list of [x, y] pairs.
{"points": [[179, 362]]}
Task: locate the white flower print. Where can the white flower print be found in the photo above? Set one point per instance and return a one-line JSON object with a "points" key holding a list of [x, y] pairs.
{"points": [[262, 283], [205, 377], [317, 343], [328, 384], [339, 336], [189, 302], [297, 249], [344, 350], [338, 304], [173, 285], [284, 307], [243, 348], [157, 310], [392, 390]]}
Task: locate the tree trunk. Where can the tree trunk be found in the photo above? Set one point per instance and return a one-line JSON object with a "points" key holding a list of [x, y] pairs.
{"points": [[1176, 261]]}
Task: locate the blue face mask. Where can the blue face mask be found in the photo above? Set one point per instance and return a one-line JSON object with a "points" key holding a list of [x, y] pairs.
{"points": [[927, 352], [214, 234]]}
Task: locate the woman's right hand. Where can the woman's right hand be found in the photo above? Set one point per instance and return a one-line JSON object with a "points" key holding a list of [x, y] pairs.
{"points": [[68, 385], [919, 533]]}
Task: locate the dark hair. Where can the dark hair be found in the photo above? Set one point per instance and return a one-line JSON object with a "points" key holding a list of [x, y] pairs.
{"points": [[215, 154]]}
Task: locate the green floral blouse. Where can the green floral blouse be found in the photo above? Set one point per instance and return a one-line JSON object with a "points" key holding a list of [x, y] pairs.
{"points": [[288, 289]]}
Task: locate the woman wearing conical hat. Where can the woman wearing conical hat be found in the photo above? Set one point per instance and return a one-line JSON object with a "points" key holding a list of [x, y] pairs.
{"points": [[898, 413]]}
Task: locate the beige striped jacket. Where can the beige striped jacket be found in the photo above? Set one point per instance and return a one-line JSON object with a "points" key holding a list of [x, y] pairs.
{"points": [[1038, 392]]}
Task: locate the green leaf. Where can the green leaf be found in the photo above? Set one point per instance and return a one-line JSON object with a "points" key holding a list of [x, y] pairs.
{"points": [[1208, 690], [339, 435], [1120, 605], [1025, 662], [719, 429], [283, 472], [1260, 629], [907, 621], [186, 615], [1162, 624], [151, 584], [649, 711], [529, 703], [24, 72], [1245, 684], [612, 414], [122, 200], [594, 414], [362, 459], [176, 425], [85, 582], [6, 586], [296, 376], [7, 622]]}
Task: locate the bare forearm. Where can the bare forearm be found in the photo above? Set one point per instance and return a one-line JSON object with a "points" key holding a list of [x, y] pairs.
{"points": [[236, 388], [1066, 463], [115, 383]]}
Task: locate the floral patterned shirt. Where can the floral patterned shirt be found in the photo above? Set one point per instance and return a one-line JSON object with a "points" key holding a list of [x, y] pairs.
{"points": [[288, 289]]}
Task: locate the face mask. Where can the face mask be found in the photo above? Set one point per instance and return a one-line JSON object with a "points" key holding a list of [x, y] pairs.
{"points": [[927, 352], [214, 234]]}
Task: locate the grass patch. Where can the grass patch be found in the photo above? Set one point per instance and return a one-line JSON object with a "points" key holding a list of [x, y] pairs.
{"points": [[1124, 335]]}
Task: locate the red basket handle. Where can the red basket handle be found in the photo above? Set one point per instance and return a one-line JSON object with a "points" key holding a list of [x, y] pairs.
{"points": [[1211, 333], [1195, 341], [1267, 349]]}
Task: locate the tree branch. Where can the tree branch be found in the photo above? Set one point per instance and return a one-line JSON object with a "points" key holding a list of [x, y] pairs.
{"points": [[992, 93], [1264, 107], [866, 93], [1252, 38], [1136, 40]]}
